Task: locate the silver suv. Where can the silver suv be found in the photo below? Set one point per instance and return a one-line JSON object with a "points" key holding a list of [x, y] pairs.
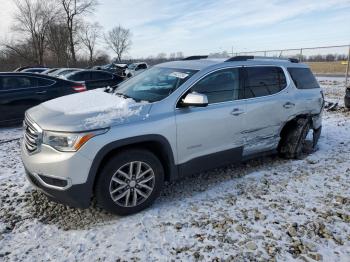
{"points": [[120, 144]]}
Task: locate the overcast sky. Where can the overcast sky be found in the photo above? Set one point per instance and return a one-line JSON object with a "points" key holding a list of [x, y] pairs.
{"points": [[203, 26]]}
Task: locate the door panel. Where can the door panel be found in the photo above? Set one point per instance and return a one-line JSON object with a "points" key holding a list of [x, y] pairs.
{"points": [[98, 80], [209, 130], [264, 118], [47, 89], [269, 105], [216, 129], [17, 94]]}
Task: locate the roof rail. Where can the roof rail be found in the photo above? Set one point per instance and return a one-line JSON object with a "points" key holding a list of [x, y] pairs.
{"points": [[195, 57], [293, 60], [245, 58], [240, 58]]}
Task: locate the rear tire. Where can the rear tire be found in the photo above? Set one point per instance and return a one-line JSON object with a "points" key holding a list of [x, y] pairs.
{"points": [[129, 182], [293, 144]]}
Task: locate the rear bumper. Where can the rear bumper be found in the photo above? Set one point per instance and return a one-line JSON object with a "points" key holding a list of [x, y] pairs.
{"points": [[77, 195]]}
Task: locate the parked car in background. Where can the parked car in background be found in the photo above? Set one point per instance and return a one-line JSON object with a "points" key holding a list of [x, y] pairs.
{"points": [[22, 68], [19, 69], [95, 78], [50, 71], [135, 68], [35, 70], [20, 91], [180, 118], [114, 68], [64, 71]]}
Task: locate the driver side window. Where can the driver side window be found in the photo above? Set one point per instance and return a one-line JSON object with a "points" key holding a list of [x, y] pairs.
{"points": [[220, 86]]}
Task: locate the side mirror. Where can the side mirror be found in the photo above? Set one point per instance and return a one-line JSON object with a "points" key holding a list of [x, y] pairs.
{"points": [[194, 99]]}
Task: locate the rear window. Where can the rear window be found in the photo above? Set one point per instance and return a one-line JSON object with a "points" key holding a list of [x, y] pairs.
{"points": [[264, 81], [303, 78]]}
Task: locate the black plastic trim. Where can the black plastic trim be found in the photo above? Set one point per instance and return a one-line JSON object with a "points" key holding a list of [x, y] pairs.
{"points": [[75, 196], [195, 57], [211, 161], [240, 58]]}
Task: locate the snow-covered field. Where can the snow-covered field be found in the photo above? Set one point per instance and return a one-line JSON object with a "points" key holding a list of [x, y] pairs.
{"points": [[263, 210]]}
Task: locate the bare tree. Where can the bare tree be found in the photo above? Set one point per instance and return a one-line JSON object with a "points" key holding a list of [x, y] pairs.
{"points": [[58, 43], [161, 56], [172, 56], [21, 51], [33, 18], [89, 35], [179, 55], [73, 10], [119, 40]]}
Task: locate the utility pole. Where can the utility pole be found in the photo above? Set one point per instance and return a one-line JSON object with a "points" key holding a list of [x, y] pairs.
{"points": [[347, 70]]}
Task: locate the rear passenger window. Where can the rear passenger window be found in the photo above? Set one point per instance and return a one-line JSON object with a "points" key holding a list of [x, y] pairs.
{"points": [[45, 82], [17, 82], [81, 76], [264, 81], [220, 86], [303, 78]]}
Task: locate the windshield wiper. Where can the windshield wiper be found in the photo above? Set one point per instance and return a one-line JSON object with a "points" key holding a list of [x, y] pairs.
{"points": [[123, 95]]}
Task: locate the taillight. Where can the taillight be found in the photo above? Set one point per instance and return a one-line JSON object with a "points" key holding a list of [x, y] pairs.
{"points": [[79, 88]]}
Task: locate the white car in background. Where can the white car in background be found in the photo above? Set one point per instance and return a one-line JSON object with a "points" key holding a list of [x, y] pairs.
{"points": [[64, 71], [135, 68]]}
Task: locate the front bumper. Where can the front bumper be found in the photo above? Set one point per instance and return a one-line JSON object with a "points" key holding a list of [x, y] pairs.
{"points": [[75, 196], [63, 177]]}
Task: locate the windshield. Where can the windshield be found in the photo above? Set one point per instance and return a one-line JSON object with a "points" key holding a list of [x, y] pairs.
{"points": [[154, 84]]}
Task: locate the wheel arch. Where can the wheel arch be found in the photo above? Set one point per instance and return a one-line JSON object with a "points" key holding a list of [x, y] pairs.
{"points": [[156, 144], [292, 121]]}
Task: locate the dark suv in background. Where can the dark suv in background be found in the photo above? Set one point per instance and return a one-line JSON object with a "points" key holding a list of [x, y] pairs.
{"points": [[95, 78], [347, 97], [20, 91]]}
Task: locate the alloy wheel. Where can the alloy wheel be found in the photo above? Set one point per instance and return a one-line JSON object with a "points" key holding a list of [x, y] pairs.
{"points": [[132, 184]]}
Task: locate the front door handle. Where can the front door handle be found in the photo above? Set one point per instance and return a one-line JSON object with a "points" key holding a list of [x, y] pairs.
{"points": [[237, 112], [288, 105]]}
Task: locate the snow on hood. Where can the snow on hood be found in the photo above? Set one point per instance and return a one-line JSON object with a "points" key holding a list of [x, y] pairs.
{"points": [[99, 108]]}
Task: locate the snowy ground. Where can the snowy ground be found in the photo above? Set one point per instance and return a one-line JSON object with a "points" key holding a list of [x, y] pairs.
{"points": [[264, 210]]}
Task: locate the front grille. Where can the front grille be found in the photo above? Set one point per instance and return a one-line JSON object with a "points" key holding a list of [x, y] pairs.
{"points": [[31, 136]]}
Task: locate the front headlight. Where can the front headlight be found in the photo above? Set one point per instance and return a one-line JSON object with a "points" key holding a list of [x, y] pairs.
{"points": [[69, 142]]}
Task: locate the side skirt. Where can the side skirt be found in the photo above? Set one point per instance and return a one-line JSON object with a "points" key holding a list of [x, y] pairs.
{"points": [[211, 161]]}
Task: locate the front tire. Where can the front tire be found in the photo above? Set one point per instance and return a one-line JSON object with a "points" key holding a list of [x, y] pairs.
{"points": [[129, 182]]}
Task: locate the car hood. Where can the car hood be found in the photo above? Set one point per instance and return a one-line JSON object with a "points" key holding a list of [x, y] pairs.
{"points": [[89, 110]]}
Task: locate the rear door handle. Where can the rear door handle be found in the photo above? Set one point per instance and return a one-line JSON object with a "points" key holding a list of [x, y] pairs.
{"points": [[288, 105], [237, 112], [41, 92]]}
